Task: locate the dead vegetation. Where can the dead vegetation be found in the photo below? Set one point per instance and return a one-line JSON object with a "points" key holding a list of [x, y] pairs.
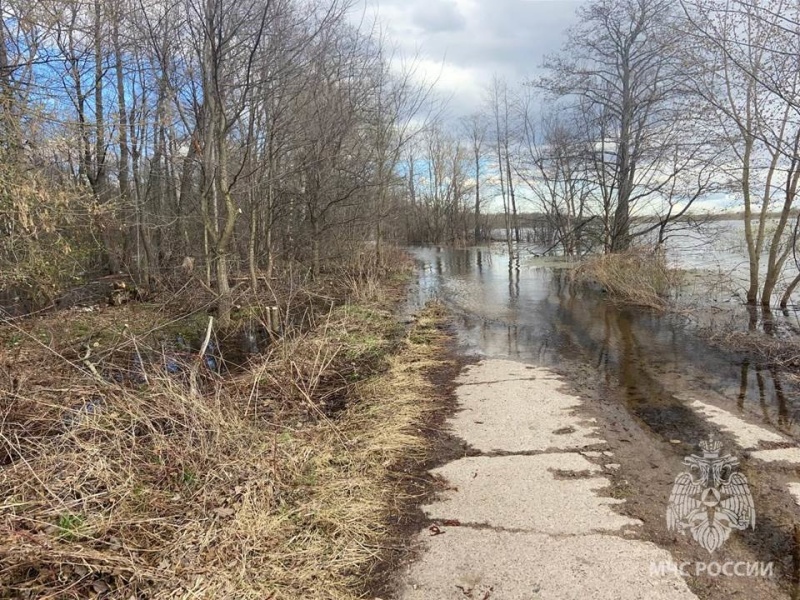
{"points": [[275, 481], [639, 277], [643, 278], [783, 352]]}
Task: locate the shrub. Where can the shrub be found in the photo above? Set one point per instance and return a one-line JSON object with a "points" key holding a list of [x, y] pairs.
{"points": [[45, 238], [638, 276]]}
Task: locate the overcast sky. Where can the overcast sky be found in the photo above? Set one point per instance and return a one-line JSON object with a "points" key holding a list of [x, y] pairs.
{"points": [[462, 43]]}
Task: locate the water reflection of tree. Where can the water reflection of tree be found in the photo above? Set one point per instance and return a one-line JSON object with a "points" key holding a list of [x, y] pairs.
{"points": [[646, 395], [769, 400], [513, 280]]}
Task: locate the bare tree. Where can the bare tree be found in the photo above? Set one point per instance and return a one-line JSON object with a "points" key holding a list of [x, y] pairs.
{"points": [[498, 105], [476, 128], [441, 188], [555, 165], [750, 78], [254, 135], [622, 68]]}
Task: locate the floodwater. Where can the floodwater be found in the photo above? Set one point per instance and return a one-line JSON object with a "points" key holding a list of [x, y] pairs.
{"points": [[529, 310]]}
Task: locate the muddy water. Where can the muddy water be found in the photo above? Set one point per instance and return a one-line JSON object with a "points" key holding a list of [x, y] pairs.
{"points": [[529, 310]]}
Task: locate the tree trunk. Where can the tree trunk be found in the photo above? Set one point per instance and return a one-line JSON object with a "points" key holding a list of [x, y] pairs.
{"points": [[124, 184], [512, 198], [777, 254], [789, 291], [225, 301], [99, 176], [477, 196], [268, 213], [315, 258], [752, 255], [10, 127], [251, 243], [225, 298]]}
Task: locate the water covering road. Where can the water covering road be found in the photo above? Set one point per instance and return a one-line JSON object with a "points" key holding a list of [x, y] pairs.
{"points": [[650, 384], [533, 312]]}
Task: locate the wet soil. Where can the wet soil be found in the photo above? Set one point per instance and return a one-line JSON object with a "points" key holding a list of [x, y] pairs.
{"points": [[418, 486]]}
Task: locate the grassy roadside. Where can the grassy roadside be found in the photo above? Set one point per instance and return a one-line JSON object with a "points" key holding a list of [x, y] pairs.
{"points": [[280, 481]]}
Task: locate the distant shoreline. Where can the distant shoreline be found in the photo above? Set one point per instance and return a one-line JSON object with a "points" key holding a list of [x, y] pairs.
{"points": [[497, 220]]}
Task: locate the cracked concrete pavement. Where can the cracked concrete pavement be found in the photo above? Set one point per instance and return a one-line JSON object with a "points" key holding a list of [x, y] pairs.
{"points": [[530, 518]]}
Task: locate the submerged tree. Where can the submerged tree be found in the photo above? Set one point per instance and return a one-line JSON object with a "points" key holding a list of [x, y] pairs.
{"points": [[475, 128], [623, 70], [554, 163], [500, 108], [750, 54]]}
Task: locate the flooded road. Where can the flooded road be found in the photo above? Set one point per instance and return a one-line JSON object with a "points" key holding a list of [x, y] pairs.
{"points": [[654, 385], [532, 312]]}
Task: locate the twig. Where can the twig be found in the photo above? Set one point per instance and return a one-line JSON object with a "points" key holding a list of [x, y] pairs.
{"points": [[89, 365], [204, 347], [139, 358], [196, 366]]}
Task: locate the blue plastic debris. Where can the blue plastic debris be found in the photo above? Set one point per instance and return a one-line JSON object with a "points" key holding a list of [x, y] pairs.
{"points": [[210, 359], [172, 366]]}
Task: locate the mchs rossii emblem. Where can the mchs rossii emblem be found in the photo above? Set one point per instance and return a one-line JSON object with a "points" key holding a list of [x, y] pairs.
{"points": [[711, 499]]}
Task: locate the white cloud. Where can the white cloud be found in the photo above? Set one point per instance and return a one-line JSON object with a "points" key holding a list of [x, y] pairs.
{"points": [[464, 42]]}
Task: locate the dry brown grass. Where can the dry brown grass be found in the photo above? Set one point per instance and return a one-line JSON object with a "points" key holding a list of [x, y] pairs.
{"points": [[277, 483], [639, 276], [783, 352]]}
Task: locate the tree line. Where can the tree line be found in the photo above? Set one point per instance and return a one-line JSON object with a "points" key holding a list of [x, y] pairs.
{"points": [[233, 137], [650, 106], [216, 135]]}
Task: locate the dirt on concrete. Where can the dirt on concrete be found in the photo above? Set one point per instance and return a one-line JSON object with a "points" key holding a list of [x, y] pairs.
{"points": [[630, 468], [421, 486], [518, 526], [648, 464]]}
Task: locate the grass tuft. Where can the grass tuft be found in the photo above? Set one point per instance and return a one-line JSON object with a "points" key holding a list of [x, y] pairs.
{"points": [[640, 277]]}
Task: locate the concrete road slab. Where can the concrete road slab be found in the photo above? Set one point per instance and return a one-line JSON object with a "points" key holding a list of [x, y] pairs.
{"points": [[483, 563], [746, 434], [783, 455], [490, 371], [794, 490], [545, 493], [520, 415], [535, 520]]}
